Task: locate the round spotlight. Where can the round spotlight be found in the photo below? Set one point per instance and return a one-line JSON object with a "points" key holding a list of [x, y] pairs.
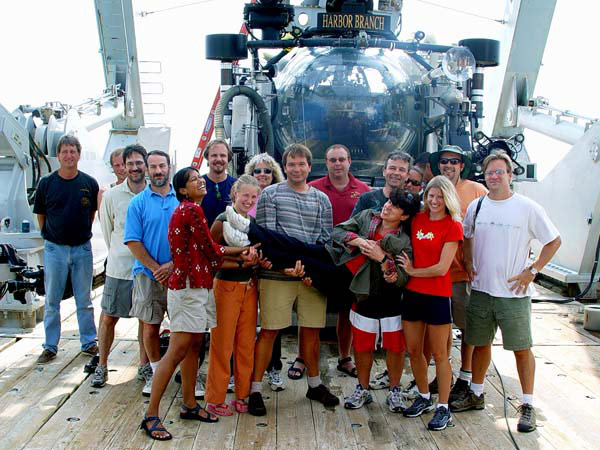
{"points": [[303, 19], [458, 64]]}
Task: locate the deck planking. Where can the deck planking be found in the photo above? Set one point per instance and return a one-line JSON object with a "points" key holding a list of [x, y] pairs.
{"points": [[53, 406]]}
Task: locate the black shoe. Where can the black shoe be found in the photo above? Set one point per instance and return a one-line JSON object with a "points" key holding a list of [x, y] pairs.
{"points": [[178, 377], [90, 367], [419, 406], [256, 405], [459, 390], [468, 402], [527, 422], [46, 356], [322, 395]]}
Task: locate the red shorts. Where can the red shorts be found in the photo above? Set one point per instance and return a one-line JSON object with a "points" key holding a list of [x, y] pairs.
{"points": [[365, 333]]}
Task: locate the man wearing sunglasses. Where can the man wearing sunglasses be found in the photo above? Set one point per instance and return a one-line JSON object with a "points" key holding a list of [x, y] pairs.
{"points": [[218, 182], [343, 190], [455, 164]]}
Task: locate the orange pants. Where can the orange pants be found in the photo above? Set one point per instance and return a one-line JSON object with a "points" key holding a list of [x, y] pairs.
{"points": [[235, 333]]}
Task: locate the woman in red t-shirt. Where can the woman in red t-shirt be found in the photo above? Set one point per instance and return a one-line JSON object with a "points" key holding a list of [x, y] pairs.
{"points": [[435, 236]]}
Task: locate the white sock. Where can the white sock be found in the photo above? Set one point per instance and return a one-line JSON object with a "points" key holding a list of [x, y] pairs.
{"points": [[256, 386], [477, 389], [314, 382], [464, 375], [425, 396], [445, 405], [528, 399], [154, 365]]}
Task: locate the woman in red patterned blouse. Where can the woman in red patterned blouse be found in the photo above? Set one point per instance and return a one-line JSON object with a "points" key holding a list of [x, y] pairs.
{"points": [[196, 259]]}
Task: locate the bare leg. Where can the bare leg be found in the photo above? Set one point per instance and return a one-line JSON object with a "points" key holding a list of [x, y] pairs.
{"points": [[438, 341], [189, 370], [466, 354], [310, 342], [344, 333], [152, 341], [481, 361], [526, 369], [106, 336], [364, 362], [395, 366], [262, 352], [414, 333], [143, 355]]}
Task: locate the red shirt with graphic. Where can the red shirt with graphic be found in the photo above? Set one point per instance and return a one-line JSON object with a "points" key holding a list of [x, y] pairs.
{"points": [[195, 255], [428, 238]]}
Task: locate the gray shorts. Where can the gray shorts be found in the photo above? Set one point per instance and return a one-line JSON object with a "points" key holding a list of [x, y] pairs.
{"points": [[191, 310], [461, 293], [149, 300], [116, 297]]}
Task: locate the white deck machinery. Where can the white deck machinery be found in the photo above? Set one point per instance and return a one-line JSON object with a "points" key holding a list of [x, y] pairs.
{"points": [[28, 138], [324, 72]]}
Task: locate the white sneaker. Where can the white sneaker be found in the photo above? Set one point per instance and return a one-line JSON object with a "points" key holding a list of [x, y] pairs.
{"points": [[231, 385], [411, 391], [236, 220], [275, 382], [147, 387], [234, 237], [199, 390], [381, 381]]}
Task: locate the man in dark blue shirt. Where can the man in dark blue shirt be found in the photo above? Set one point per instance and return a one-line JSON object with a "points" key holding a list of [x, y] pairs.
{"points": [[218, 183], [65, 203]]}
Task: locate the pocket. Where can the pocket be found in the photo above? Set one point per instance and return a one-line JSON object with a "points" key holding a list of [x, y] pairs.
{"points": [[513, 308], [226, 287], [479, 307]]}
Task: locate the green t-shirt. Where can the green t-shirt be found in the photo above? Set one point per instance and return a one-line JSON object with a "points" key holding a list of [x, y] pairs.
{"points": [[233, 274]]}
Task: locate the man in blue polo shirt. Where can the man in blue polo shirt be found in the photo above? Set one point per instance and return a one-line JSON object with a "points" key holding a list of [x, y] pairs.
{"points": [[146, 230]]}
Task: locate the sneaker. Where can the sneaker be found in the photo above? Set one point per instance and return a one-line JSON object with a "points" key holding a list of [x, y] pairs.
{"points": [[381, 381], [419, 406], [199, 390], [358, 398], [256, 405], [100, 376], [395, 400], [459, 390], [441, 419], [411, 391], [469, 401], [322, 395], [231, 385], [234, 237], [236, 220], [527, 422], [275, 382], [147, 387], [46, 356], [144, 372], [92, 351]]}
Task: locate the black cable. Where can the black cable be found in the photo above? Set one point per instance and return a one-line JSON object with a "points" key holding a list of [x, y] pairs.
{"points": [[512, 438]]}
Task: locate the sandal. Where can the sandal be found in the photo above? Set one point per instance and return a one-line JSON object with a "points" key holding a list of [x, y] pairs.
{"points": [[219, 410], [240, 406], [194, 414], [342, 367], [295, 373], [156, 426]]}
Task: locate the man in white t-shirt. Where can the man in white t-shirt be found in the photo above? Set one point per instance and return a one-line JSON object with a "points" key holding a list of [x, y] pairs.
{"points": [[497, 243]]}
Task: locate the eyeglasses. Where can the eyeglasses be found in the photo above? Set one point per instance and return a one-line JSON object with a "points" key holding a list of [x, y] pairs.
{"points": [[413, 182], [498, 172], [265, 170], [453, 161], [340, 159]]}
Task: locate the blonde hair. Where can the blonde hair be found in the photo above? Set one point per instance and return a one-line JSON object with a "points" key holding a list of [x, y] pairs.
{"points": [[269, 162], [243, 181], [498, 155], [450, 196]]}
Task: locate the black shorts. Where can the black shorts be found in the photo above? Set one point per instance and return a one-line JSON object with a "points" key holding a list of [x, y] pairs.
{"points": [[431, 309]]}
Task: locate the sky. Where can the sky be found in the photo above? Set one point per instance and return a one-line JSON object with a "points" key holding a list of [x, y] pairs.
{"points": [[50, 53]]}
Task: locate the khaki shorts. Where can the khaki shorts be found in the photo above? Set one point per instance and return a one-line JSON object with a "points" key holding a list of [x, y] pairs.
{"points": [[191, 310], [149, 301], [461, 292], [486, 313], [277, 299]]}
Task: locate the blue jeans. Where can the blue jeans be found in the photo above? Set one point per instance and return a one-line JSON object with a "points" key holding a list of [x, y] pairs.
{"points": [[59, 262]]}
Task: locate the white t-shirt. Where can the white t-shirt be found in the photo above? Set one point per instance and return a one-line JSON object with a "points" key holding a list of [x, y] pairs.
{"points": [[503, 233]]}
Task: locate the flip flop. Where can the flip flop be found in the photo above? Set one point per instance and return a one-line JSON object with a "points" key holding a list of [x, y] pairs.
{"points": [[342, 368], [194, 414], [240, 406], [219, 410], [156, 426], [295, 373]]}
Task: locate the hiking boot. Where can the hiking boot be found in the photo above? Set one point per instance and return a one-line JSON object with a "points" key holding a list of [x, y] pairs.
{"points": [[147, 387], [92, 350], [527, 422], [256, 405], [46, 357], [275, 382], [419, 406], [395, 400], [144, 372], [199, 389], [100, 376], [322, 395], [469, 401], [358, 398], [411, 391], [441, 419], [459, 390], [381, 381]]}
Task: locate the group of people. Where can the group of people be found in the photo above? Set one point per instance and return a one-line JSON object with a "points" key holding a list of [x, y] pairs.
{"points": [[399, 265]]}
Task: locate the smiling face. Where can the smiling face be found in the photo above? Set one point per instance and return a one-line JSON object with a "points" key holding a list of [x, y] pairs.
{"points": [[158, 170], [451, 165], [395, 173], [498, 177], [136, 168], [338, 163], [414, 182], [217, 160], [297, 169], [435, 201], [393, 214], [195, 187], [68, 157], [118, 167], [245, 199], [260, 173]]}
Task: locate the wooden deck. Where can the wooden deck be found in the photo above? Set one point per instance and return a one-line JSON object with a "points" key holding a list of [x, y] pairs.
{"points": [[53, 406]]}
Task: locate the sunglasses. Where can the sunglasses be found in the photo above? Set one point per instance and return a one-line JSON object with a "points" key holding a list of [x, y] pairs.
{"points": [[413, 182], [217, 192], [453, 161], [258, 171]]}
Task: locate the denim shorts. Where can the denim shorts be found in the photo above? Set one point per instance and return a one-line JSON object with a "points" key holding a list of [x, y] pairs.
{"points": [[485, 313]]}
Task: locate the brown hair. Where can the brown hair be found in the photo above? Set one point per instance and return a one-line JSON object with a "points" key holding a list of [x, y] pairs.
{"points": [[498, 155], [214, 142], [297, 150]]}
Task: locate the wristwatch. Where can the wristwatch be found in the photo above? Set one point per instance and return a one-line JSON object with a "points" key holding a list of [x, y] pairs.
{"points": [[533, 270]]}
